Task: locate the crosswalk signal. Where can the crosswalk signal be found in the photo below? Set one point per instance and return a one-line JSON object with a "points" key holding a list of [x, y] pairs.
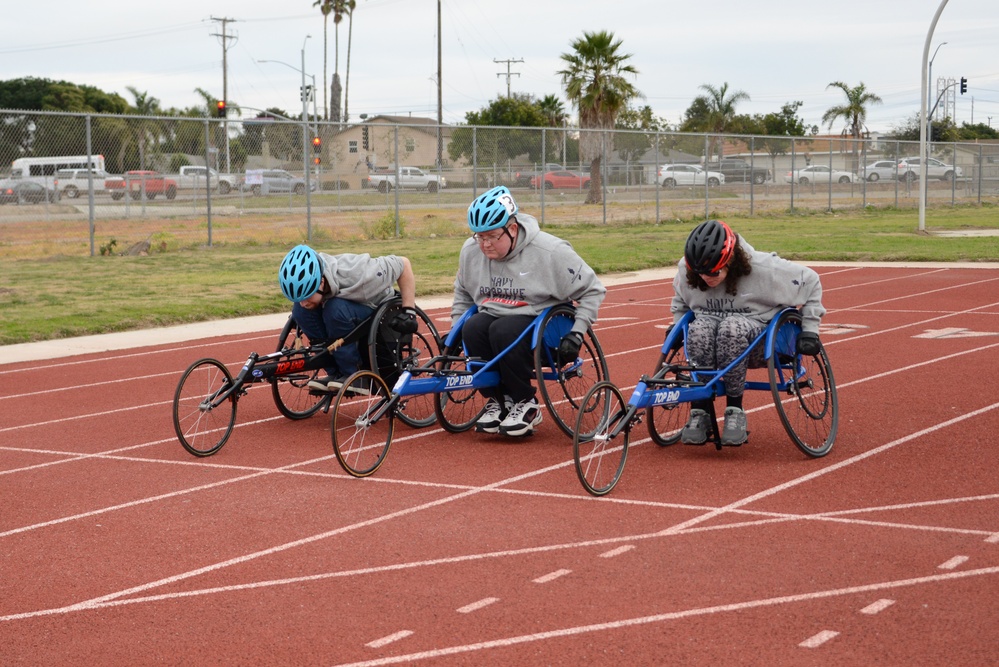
{"points": [[364, 138], [220, 109], [964, 85]]}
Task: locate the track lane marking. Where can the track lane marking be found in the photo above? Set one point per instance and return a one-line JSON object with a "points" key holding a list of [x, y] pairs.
{"points": [[394, 637], [475, 606], [953, 563], [877, 607], [551, 576], [819, 639]]}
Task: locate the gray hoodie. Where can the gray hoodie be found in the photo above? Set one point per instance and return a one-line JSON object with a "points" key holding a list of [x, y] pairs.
{"points": [[361, 278], [541, 271], [775, 283]]}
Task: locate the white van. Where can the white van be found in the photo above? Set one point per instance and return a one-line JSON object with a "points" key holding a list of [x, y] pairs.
{"points": [[44, 169]]}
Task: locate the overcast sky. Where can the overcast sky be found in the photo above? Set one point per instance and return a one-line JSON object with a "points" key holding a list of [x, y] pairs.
{"points": [[777, 51]]}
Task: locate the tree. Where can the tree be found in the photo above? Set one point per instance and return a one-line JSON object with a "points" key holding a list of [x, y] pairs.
{"points": [[595, 83], [631, 146], [497, 143], [715, 112], [554, 112], [146, 131], [339, 9], [773, 126], [854, 112]]}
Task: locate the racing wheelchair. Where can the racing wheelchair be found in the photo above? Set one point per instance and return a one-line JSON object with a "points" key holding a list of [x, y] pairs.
{"points": [[365, 407], [204, 404], [803, 390]]}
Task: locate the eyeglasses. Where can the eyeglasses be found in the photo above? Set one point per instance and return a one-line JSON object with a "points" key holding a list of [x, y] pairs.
{"points": [[489, 238]]}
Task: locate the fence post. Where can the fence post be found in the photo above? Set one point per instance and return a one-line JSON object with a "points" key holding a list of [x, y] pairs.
{"points": [[90, 182], [398, 177], [208, 185]]}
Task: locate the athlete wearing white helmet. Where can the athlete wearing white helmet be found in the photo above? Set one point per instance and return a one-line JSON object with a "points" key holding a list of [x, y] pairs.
{"points": [[511, 270]]}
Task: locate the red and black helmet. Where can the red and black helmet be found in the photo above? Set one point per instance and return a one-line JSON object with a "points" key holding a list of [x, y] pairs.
{"points": [[709, 247]]}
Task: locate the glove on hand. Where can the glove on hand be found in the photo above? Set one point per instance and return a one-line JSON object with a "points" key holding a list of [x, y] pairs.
{"points": [[405, 321], [808, 343], [568, 348]]}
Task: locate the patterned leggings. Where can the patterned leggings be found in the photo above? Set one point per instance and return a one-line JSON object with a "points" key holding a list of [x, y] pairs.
{"points": [[715, 342]]}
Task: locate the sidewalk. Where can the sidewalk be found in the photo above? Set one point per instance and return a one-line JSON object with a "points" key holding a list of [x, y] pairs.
{"points": [[67, 347]]}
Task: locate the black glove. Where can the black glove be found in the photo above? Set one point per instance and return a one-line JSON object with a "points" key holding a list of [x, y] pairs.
{"points": [[568, 348], [808, 343], [404, 321]]}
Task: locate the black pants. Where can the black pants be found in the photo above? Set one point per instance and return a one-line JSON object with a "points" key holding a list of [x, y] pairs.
{"points": [[486, 336]]}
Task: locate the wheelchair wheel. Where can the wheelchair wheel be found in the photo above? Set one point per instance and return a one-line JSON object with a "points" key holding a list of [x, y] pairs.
{"points": [[666, 422], [457, 411], [361, 427], [201, 428], [563, 388], [599, 458], [291, 392], [804, 390], [391, 352]]}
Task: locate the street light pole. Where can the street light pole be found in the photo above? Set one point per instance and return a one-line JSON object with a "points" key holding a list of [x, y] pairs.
{"points": [[929, 121], [922, 117]]}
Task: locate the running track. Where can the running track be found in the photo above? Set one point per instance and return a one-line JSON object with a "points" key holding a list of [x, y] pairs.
{"points": [[117, 547]]}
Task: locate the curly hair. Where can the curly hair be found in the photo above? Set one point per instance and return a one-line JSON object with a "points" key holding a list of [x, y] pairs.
{"points": [[738, 267]]}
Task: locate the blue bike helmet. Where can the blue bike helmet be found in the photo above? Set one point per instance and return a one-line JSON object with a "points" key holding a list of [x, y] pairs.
{"points": [[300, 273], [491, 210]]}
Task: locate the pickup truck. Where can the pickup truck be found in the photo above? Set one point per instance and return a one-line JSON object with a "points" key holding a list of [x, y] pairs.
{"points": [[740, 171], [409, 178], [524, 178], [136, 182], [192, 177]]}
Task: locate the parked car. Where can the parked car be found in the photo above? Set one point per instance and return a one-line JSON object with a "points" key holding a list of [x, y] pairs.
{"points": [[672, 175], [267, 181], [820, 173], [523, 178], [26, 192], [909, 169], [881, 170], [74, 182], [561, 179]]}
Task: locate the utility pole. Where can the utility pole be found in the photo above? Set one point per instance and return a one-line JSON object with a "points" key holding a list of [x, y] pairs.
{"points": [[508, 74], [440, 105], [224, 38]]}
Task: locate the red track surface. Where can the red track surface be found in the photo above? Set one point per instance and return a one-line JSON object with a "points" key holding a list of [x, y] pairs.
{"points": [[117, 547]]}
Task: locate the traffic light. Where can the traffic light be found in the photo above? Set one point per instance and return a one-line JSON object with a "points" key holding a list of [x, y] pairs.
{"points": [[964, 85], [317, 160], [317, 145], [364, 137], [220, 109]]}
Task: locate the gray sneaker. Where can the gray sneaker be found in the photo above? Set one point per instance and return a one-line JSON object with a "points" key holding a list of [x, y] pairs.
{"points": [[734, 432], [696, 430]]}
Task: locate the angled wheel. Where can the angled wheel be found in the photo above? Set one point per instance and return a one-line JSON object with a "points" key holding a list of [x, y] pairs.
{"points": [[563, 387], [393, 352], [804, 390], [362, 423], [458, 410], [201, 421], [666, 422], [599, 456], [291, 392]]}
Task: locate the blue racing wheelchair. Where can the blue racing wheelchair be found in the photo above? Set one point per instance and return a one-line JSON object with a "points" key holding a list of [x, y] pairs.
{"points": [[802, 386]]}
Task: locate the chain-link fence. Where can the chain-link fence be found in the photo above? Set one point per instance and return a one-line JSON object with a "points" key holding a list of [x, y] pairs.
{"points": [[76, 184]]}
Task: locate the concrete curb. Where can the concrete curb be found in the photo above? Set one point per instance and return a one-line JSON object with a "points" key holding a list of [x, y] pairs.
{"points": [[67, 347]]}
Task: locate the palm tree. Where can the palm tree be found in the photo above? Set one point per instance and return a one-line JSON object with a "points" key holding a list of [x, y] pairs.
{"points": [[854, 112], [146, 129], [721, 110], [554, 112], [349, 6], [594, 81], [338, 8], [325, 6]]}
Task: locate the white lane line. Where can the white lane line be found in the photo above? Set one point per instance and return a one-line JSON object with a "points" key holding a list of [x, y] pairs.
{"points": [[385, 641], [475, 606], [876, 607], [552, 576], [658, 618], [952, 563], [818, 640], [993, 538], [617, 552]]}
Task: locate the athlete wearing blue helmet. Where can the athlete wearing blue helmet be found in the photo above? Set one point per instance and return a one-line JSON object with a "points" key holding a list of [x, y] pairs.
{"points": [[334, 293], [491, 210], [510, 271], [300, 273]]}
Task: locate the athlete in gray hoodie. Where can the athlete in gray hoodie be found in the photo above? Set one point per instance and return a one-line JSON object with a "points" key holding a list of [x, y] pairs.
{"points": [[334, 293], [734, 291], [511, 270]]}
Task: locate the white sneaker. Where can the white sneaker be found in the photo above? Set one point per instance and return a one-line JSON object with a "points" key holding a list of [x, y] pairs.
{"points": [[490, 420], [523, 417]]}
